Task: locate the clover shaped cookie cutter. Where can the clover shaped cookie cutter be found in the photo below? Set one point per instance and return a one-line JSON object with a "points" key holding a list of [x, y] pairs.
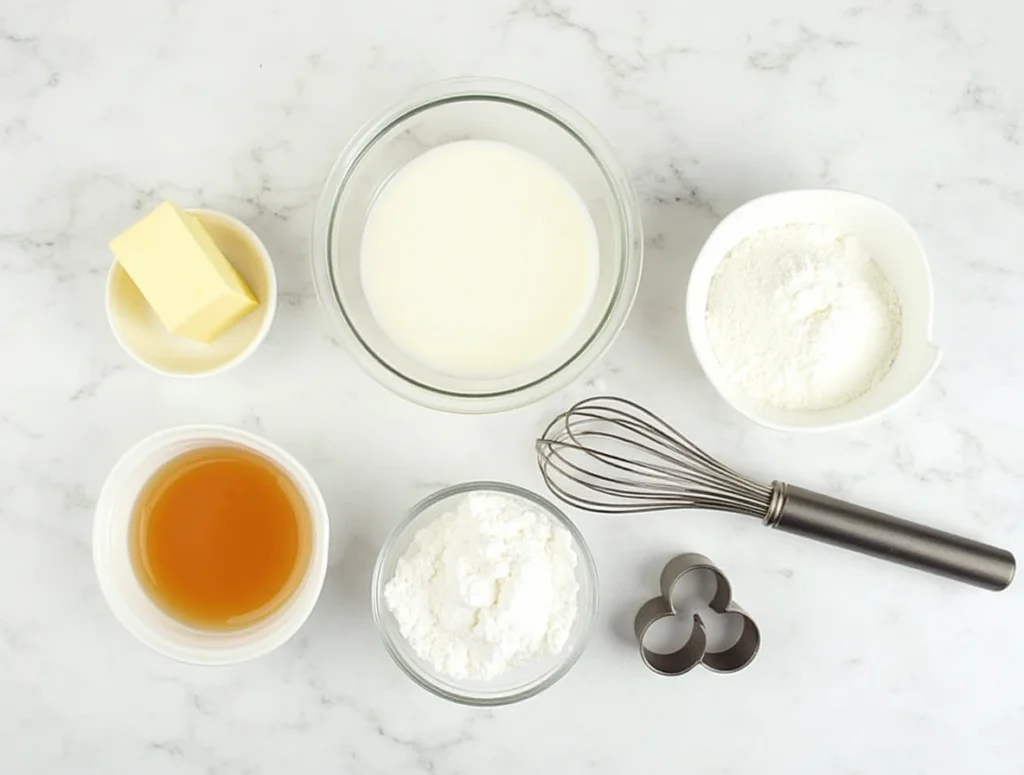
{"points": [[694, 652]]}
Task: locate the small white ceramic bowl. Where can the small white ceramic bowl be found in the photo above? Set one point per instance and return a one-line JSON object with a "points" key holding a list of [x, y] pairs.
{"points": [[139, 331], [126, 596], [894, 246]]}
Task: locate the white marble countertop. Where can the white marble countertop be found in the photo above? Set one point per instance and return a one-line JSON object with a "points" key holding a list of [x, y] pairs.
{"points": [[110, 106]]}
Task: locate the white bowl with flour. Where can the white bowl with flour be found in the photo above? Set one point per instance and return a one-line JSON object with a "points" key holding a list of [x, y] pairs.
{"points": [[812, 309]]}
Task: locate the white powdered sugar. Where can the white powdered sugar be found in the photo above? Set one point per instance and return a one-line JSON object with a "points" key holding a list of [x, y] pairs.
{"points": [[488, 585], [800, 317]]}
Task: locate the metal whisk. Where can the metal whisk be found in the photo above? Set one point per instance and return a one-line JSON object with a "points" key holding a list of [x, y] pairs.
{"points": [[613, 456]]}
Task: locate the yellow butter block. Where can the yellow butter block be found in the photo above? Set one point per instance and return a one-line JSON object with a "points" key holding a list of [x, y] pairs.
{"points": [[181, 272]]}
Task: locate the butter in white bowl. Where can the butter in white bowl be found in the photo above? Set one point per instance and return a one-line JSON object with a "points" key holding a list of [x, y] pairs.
{"points": [[174, 262], [192, 292]]}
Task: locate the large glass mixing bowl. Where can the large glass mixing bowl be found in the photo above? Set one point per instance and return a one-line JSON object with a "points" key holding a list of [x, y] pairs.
{"points": [[475, 109]]}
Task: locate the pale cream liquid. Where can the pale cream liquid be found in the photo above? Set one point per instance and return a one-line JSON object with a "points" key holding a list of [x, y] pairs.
{"points": [[479, 259]]}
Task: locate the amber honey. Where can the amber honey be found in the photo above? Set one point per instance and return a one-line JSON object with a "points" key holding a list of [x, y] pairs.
{"points": [[220, 538]]}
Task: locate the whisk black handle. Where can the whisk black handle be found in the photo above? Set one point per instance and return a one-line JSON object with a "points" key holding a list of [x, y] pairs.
{"points": [[810, 514]]}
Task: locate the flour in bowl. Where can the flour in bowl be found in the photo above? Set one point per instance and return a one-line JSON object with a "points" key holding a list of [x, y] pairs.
{"points": [[488, 585], [800, 317]]}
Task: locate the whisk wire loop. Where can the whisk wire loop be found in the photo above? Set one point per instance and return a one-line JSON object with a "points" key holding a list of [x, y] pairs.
{"points": [[610, 455]]}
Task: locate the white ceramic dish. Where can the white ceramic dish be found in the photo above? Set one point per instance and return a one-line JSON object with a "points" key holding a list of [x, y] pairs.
{"points": [[139, 331], [894, 246], [126, 596]]}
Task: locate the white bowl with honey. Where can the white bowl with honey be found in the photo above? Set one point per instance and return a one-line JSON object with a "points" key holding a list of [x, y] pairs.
{"points": [[210, 544]]}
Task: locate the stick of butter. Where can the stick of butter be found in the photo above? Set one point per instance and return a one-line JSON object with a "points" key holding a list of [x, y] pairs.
{"points": [[180, 271]]}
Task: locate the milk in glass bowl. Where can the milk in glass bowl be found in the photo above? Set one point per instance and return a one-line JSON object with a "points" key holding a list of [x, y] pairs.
{"points": [[477, 246]]}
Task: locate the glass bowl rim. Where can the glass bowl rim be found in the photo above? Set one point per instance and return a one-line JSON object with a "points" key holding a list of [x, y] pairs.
{"points": [[629, 249], [586, 559]]}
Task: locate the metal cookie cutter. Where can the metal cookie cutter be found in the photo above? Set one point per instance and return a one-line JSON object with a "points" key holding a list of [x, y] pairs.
{"points": [[694, 651]]}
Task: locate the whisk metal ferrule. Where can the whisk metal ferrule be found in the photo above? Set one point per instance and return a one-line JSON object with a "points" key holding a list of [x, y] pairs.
{"points": [[774, 513]]}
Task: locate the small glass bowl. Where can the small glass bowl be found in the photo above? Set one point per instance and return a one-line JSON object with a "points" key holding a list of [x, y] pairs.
{"points": [[475, 109], [520, 682]]}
